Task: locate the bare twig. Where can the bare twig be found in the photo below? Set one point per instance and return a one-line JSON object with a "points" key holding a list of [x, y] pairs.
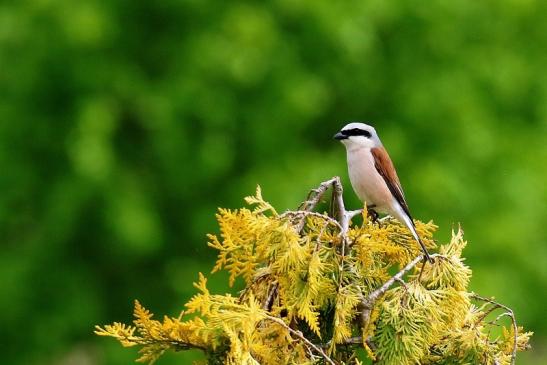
{"points": [[510, 314], [315, 195], [368, 302], [500, 316], [343, 217], [402, 282], [299, 334], [350, 215], [338, 192], [304, 213], [381, 290], [486, 313]]}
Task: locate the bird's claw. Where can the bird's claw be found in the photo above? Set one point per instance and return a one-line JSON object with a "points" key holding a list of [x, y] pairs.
{"points": [[373, 215]]}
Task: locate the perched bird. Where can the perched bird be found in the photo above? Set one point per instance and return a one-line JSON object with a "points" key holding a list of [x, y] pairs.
{"points": [[373, 176]]}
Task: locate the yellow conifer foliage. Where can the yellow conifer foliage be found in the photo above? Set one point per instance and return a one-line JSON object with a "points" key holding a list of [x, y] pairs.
{"points": [[316, 292]]}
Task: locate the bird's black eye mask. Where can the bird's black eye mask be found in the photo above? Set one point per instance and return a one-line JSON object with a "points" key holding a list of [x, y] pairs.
{"points": [[356, 132]]}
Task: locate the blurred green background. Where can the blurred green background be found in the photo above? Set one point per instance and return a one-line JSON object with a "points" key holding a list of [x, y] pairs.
{"points": [[125, 124]]}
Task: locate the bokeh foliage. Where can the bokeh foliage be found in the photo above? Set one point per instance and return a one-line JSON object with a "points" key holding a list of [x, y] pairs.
{"points": [[124, 124]]}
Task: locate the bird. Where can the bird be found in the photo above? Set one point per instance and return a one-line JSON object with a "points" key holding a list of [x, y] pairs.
{"points": [[373, 176]]}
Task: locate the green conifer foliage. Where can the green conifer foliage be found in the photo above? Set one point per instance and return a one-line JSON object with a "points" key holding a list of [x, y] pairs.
{"points": [[319, 288]]}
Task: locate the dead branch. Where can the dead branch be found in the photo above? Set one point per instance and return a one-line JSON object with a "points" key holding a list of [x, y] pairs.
{"points": [[302, 214], [315, 195]]}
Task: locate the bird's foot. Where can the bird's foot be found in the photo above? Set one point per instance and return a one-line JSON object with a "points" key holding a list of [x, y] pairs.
{"points": [[373, 215]]}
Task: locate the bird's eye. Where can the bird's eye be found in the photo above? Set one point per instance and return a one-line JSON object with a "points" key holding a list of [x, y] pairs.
{"points": [[356, 132]]}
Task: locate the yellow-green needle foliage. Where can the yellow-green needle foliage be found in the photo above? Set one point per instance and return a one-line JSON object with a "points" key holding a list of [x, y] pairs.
{"points": [[320, 290]]}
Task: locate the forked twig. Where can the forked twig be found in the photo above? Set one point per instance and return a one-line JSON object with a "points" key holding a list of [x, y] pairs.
{"points": [[510, 314], [315, 195], [313, 198], [304, 213]]}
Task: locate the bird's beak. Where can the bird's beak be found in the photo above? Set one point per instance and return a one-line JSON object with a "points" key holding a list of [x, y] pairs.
{"points": [[339, 136]]}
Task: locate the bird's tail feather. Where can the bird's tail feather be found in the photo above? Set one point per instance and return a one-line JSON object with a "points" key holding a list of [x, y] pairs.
{"points": [[410, 224]]}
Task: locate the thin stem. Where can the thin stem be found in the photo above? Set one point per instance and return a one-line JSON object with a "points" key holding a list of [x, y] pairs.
{"points": [[315, 195], [304, 213], [511, 315], [381, 290], [368, 302], [299, 334]]}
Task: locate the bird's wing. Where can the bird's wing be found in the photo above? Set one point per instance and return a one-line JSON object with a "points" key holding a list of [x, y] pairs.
{"points": [[385, 168]]}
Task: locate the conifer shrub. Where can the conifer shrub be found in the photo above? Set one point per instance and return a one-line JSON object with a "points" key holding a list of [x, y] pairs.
{"points": [[320, 289]]}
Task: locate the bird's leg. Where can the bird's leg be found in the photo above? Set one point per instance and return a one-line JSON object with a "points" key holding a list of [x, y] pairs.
{"points": [[372, 214]]}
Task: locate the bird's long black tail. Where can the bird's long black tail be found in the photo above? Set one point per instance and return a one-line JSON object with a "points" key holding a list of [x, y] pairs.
{"points": [[410, 224], [426, 254]]}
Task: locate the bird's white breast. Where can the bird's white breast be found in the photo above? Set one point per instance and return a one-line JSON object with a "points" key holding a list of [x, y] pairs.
{"points": [[367, 183]]}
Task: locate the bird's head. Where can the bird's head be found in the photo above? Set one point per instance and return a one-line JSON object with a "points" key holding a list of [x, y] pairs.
{"points": [[356, 135]]}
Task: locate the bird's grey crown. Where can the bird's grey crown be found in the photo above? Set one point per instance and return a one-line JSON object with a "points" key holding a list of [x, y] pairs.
{"points": [[357, 125]]}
